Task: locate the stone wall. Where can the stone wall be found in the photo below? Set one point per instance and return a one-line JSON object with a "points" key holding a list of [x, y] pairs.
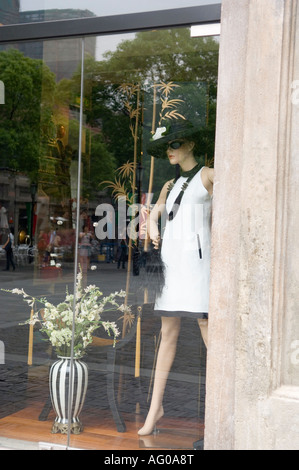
{"points": [[248, 404]]}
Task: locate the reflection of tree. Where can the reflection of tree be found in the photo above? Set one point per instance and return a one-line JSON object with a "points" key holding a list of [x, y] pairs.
{"points": [[152, 57], [35, 103], [165, 56], [172, 62], [26, 116], [98, 162]]}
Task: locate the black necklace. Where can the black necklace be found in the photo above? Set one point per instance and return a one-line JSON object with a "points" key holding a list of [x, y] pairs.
{"points": [[186, 174], [192, 172]]}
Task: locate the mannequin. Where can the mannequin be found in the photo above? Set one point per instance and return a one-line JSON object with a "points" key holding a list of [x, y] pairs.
{"points": [[177, 143]]}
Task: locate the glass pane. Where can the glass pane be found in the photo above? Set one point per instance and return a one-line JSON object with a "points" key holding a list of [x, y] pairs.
{"points": [[30, 11], [39, 124], [132, 83], [130, 90]]}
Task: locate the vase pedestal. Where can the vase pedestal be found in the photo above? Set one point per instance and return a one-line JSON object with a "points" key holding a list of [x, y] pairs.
{"points": [[62, 428]]}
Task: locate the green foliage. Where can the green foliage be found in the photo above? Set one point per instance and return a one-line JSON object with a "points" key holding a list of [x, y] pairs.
{"points": [[26, 115], [35, 103], [151, 58], [99, 166]]}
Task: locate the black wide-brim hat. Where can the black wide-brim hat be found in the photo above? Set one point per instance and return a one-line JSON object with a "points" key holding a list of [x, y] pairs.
{"points": [[172, 130]]}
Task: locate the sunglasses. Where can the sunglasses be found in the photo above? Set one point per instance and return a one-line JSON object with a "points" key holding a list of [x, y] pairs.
{"points": [[175, 144]]}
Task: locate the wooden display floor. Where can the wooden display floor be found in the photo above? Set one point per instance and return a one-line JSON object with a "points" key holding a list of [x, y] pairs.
{"points": [[100, 432]]}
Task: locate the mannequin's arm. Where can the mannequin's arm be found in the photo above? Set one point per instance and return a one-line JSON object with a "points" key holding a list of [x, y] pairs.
{"points": [[157, 211], [208, 179]]}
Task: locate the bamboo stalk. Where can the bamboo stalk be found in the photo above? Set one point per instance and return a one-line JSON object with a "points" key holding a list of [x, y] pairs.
{"points": [[137, 357], [138, 346], [30, 345], [133, 198]]}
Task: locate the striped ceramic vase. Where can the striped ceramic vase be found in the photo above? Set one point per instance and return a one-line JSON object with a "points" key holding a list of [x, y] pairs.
{"points": [[59, 390]]}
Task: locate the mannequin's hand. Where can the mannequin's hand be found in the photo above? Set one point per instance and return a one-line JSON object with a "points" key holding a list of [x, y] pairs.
{"points": [[156, 242]]}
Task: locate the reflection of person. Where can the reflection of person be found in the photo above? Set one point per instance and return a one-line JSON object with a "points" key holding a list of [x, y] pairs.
{"points": [[42, 244], [50, 246], [185, 250], [122, 254], [85, 249], [3, 223], [8, 246], [3, 217]]}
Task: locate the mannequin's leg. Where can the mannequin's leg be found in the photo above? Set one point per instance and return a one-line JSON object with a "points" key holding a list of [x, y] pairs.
{"points": [[169, 335], [203, 325]]}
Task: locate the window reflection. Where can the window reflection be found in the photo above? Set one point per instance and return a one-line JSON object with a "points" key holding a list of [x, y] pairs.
{"points": [[27, 11], [133, 93], [128, 92], [38, 174]]}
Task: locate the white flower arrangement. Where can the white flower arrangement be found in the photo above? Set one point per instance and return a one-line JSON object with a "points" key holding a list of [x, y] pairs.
{"points": [[57, 321]]}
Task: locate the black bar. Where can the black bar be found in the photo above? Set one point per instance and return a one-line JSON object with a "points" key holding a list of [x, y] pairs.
{"points": [[110, 24]]}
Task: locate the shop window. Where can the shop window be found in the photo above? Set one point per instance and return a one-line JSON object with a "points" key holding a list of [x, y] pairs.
{"points": [[78, 182]]}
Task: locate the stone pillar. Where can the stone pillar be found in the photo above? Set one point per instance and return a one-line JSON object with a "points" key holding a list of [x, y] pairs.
{"points": [[245, 328]]}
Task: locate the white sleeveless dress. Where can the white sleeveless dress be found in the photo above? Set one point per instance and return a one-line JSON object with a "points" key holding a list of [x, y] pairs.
{"points": [[186, 247]]}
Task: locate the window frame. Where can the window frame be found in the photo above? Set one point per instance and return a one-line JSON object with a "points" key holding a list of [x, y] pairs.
{"points": [[110, 24]]}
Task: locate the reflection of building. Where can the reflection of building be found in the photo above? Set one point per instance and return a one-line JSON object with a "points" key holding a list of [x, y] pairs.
{"points": [[16, 198], [61, 56], [9, 11]]}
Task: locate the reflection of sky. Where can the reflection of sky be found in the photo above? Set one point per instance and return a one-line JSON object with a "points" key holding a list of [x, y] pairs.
{"points": [[111, 7], [110, 43]]}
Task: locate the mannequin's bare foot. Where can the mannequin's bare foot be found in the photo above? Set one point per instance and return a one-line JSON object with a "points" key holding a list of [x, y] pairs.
{"points": [[150, 422]]}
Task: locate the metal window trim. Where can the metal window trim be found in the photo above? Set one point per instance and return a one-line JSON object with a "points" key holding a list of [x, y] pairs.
{"points": [[110, 24]]}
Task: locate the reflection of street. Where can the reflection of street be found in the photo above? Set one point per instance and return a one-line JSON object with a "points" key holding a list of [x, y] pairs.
{"points": [[14, 372], [20, 385], [13, 308], [106, 276]]}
